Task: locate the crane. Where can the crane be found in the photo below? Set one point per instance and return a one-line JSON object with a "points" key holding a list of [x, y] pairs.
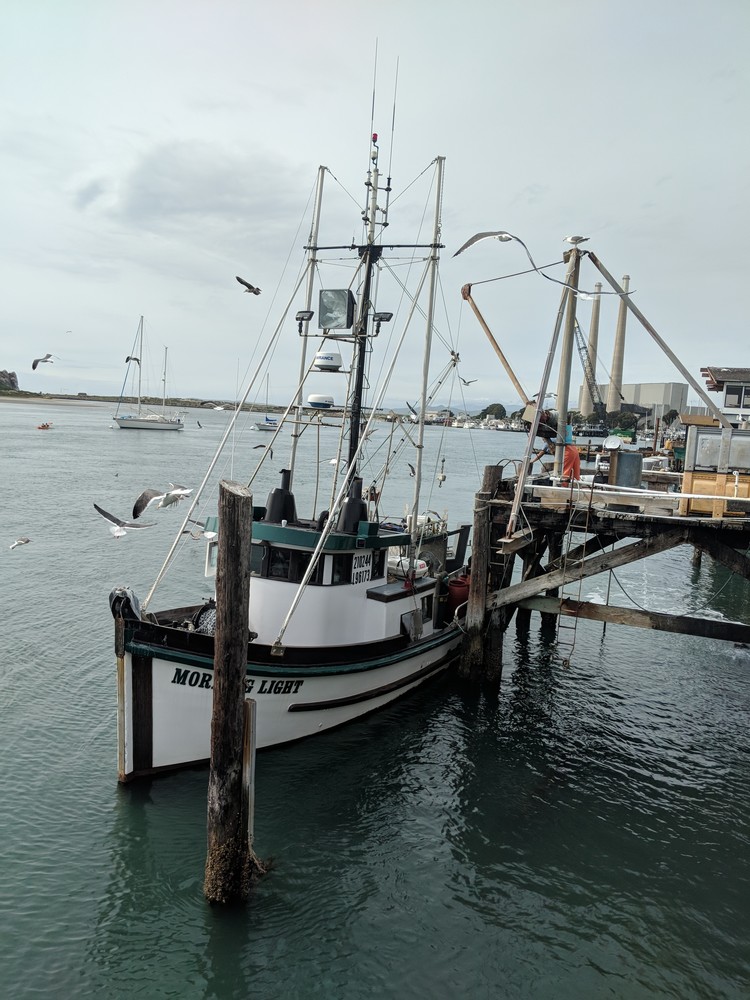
{"points": [[600, 408]]}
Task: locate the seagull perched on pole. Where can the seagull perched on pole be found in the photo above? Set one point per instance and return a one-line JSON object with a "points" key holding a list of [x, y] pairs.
{"points": [[119, 527], [248, 286], [575, 240], [39, 361]]}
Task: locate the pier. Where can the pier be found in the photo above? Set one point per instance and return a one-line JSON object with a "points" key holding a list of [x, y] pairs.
{"points": [[566, 534]]}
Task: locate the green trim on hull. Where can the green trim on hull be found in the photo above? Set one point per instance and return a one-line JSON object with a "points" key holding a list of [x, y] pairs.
{"points": [[261, 670]]}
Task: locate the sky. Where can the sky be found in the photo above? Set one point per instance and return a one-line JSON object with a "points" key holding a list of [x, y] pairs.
{"points": [[151, 151]]}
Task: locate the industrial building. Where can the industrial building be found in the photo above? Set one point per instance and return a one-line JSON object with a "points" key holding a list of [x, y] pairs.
{"points": [[661, 396]]}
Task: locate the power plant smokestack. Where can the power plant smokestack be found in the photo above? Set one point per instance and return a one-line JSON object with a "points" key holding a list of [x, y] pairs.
{"points": [[587, 403], [614, 395]]}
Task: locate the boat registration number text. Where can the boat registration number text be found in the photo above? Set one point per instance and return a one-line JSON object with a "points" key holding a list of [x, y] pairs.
{"points": [[362, 567]]}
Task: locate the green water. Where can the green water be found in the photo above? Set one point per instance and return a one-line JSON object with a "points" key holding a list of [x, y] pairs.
{"points": [[583, 833]]}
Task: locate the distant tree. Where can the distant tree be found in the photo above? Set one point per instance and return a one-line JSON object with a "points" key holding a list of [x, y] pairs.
{"points": [[496, 410], [627, 420]]}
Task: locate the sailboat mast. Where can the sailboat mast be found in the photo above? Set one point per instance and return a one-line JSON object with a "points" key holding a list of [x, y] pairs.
{"points": [[164, 384], [371, 254], [140, 362]]}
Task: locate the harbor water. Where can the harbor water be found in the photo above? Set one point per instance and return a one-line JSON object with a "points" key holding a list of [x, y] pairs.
{"points": [[582, 833]]}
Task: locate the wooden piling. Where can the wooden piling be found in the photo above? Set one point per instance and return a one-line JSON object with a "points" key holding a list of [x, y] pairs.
{"points": [[230, 862], [473, 659]]}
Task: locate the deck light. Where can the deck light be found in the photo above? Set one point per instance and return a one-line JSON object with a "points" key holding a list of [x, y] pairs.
{"points": [[304, 316], [381, 317]]}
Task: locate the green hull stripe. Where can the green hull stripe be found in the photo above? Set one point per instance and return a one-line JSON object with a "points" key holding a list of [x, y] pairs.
{"points": [[207, 663]]}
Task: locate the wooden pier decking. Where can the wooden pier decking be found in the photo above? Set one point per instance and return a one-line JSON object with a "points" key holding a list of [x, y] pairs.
{"points": [[565, 534]]}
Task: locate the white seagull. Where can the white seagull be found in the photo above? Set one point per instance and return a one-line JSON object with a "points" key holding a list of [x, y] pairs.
{"points": [[495, 234], [119, 527], [20, 541], [248, 286], [575, 240], [162, 498], [39, 361]]}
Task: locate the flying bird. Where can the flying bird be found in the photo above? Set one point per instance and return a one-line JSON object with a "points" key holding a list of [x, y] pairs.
{"points": [[270, 449], [412, 470], [132, 357], [119, 527], [575, 240], [199, 424], [39, 361], [20, 541], [496, 234], [162, 498], [468, 381], [248, 286]]}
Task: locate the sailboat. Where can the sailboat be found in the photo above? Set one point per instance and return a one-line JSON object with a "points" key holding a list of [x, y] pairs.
{"points": [[348, 610], [143, 419], [267, 423]]}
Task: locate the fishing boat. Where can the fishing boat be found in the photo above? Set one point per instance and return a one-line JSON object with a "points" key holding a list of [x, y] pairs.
{"points": [[348, 610], [144, 419]]}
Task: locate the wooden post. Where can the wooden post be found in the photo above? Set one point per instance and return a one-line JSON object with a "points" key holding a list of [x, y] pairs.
{"points": [[230, 863], [471, 662]]}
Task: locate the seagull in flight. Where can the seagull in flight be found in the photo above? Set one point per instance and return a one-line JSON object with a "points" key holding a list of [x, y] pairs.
{"points": [[412, 470], [270, 449], [495, 234], [20, 541], [575, 240], [162, 498], [468, 381], [132, 357], [248, 286], [119, 527], [39, 361]]}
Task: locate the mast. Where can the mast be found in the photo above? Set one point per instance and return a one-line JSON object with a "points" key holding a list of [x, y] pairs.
{"points": [[434, 260], [370, 253], [140, 359], [311, 264], [164, 385]]}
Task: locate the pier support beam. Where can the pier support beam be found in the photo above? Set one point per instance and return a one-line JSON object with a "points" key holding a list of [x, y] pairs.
{"points": [[230, 862]]}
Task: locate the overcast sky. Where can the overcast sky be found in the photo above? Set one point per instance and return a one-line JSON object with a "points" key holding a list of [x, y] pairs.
{"points": [[152, 150]]}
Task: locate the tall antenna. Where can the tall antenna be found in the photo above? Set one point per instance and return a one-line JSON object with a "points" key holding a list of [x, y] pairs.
{"points": [[374, 88], [393, 123]]}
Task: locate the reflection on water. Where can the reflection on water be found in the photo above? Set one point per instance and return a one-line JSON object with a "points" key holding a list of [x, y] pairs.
{"points": [[576, 832]]}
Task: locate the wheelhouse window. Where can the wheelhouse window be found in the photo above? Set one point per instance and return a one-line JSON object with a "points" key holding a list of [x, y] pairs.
{"points": [[279, 563], [341, 568]]}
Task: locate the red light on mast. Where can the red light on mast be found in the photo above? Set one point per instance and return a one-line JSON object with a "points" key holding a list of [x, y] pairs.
{"points": [[374, 136]]}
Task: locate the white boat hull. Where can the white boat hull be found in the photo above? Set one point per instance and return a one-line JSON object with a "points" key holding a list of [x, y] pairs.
{"points": [[155, 423], [166, 704]]}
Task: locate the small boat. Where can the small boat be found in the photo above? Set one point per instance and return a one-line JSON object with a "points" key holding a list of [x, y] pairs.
{"points": [[45, 427], [348, 611], [267, 423], [143, 419]]}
